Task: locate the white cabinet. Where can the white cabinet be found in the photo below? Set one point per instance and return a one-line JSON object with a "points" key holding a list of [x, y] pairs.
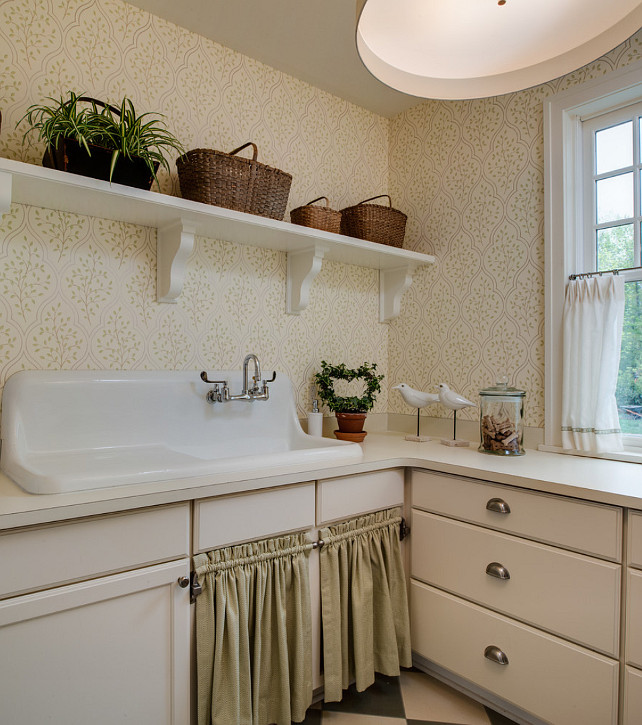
{"points": [[229, 520], [105, 649], [348, 496], [110, 650], [633, 634], [498, 608]]}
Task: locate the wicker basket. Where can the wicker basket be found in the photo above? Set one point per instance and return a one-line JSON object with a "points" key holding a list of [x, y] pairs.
{"points": [[319, 217], [374, 222], [214, 177]]}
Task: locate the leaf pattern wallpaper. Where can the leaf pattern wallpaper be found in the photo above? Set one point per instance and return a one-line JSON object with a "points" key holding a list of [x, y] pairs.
{"points": [[80, 293], [470, 176]]}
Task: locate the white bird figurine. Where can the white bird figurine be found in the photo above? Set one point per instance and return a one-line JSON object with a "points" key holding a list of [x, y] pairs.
{"points": [[450, 399], [417, 399]]}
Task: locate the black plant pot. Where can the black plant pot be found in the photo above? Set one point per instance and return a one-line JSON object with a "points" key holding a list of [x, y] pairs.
{"points": [[70, 156]]}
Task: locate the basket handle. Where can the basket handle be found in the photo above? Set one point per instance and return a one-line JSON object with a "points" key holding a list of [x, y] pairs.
{"points": [[245, 145], [377, 197], [327, 203], [95, 101]]}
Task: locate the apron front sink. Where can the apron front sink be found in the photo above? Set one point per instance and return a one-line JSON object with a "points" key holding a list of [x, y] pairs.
{"points": [[77, 430]]}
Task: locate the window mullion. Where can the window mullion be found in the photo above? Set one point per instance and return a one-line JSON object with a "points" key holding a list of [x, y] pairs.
{"points": [[589, 215], [636, 190]]}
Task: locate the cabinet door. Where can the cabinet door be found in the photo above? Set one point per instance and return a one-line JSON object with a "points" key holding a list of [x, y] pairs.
{"points": [[104, 651]]}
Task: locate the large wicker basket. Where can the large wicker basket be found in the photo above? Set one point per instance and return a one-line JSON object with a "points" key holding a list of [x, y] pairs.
{"points": [[374, 222], [319, 217], [215, 177]]}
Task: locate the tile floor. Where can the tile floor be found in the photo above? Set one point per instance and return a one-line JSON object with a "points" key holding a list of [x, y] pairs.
{"points": [[412, 698]]}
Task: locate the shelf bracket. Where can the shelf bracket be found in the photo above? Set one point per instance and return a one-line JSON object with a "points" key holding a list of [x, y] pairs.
{"points": [[303, 267], [174, 245], [392, 284], [5, 193]]}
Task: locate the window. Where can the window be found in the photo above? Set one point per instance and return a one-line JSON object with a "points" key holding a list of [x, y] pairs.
{"points": [[593, 222], [612, 218]]}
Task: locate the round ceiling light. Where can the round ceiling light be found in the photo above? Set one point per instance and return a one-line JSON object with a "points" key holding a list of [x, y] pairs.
{"points": [[477, 48]]}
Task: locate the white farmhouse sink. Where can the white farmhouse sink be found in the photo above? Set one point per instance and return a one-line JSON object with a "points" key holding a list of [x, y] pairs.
{"points": [[75, 430]]}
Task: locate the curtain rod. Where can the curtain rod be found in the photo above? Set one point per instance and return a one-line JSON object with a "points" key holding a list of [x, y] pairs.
{"points": [[582, 275]]}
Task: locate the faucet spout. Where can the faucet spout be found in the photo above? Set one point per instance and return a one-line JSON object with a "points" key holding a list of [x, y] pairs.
{"points": [[257, 374]]}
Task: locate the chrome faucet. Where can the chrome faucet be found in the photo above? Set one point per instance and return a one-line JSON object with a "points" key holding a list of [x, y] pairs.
{"points": [[255, 392], [257, 374]]}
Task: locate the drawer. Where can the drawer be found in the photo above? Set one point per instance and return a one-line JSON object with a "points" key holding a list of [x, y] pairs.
{"points": [[68, 552], [227, 520], [635, 539], [634, 619], [569, 594], [579, 525], [632, 697], [341, 498], [554, 680]]}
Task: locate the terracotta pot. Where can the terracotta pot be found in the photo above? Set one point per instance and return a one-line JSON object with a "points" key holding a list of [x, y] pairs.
{"points": [[351, 422], [351, 437]]}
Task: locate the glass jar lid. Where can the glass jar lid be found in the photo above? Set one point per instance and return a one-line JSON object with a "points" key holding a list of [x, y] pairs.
{"points": [[503, 388]]}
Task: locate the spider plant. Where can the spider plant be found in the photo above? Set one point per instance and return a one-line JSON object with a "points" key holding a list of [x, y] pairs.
{"points": [[116, 129]]}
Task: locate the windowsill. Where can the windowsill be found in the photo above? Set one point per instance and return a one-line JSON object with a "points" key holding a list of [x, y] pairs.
{"points": [[628, 455]]}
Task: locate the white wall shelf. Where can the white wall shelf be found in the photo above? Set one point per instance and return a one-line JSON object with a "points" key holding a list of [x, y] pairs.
{"points": [[178, 221]]}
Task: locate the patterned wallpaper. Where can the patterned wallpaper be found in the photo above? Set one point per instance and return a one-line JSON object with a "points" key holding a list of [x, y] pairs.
{"points": [[79, 292], [470, 176]]}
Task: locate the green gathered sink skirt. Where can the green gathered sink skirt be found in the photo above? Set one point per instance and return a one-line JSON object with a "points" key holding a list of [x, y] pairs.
{"points": [[253, 620]]}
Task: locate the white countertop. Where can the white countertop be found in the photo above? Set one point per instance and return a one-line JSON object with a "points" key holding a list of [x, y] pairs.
{"points": [[592, 479]]}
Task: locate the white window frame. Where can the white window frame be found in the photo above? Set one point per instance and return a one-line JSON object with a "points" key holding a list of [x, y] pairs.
{"points": [[563, 215], [591, 125]]}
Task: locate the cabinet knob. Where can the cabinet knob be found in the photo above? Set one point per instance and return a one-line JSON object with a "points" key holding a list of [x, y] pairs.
{"points": [[497, 570], [183, 582], [494, 654], [498, 505]]}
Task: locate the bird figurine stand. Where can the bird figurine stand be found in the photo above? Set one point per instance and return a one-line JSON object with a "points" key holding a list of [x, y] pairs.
{"points": [[452, 400], [417, 399], [417, 438]]}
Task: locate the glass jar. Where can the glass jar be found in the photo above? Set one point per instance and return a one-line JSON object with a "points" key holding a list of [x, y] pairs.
{"points": [[501, 420]]}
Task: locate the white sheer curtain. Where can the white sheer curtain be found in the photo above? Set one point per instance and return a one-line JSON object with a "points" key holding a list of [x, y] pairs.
{"points": [[592, 328]]}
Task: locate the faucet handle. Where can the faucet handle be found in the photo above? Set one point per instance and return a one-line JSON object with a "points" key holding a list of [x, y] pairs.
{"points": [[205, 379]]}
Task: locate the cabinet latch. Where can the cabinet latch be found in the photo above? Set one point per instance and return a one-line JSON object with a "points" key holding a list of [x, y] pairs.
{"points": [[195, 587], [404, 529]]}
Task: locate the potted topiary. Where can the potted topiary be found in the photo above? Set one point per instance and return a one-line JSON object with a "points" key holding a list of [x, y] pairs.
{"points": [[350, 411], [88, 137]]}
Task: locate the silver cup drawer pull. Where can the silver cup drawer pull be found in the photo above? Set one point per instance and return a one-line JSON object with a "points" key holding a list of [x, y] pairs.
{"points": [[497, 570], [498, 505], [494, 654]]}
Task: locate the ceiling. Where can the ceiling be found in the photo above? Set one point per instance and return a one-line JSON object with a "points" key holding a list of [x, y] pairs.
{"points": [[313, 40]]}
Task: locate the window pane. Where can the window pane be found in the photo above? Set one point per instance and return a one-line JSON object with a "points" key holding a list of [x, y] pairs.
{"points": [[615, 248], [615, 198], [629, 384], [614, 147]]}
